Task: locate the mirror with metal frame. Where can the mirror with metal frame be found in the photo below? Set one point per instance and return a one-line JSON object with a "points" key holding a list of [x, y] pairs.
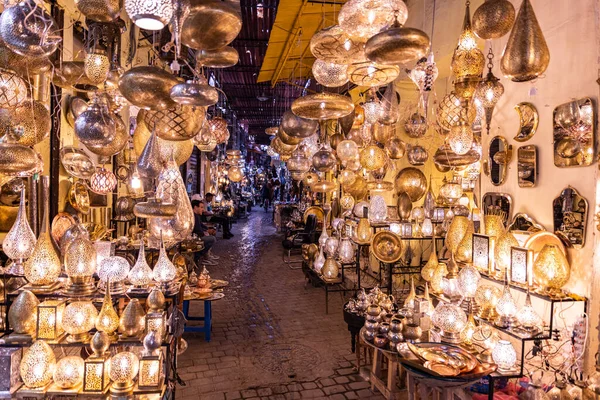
{"points": [[525, 223], [498, 204], [574, 133], [570, 211], [500, 154], [527, 166], [528, 121]]}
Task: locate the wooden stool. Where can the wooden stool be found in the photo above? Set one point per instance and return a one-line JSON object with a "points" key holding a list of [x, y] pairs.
{"points": [[384, 373], [431, 388]]}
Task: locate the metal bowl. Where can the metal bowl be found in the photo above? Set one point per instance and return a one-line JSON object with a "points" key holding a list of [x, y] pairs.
{"points": [[76, 162], [79, 197]]}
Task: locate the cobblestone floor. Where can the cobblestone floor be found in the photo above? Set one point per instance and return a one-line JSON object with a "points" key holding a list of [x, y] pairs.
{"points": [[271, 338]]}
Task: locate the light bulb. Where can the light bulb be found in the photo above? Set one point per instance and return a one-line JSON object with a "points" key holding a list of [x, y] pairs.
{"points": [[136, 181]]}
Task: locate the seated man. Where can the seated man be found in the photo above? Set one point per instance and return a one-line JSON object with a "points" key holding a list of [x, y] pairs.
{"points": [[205, 234], [219, 219]]}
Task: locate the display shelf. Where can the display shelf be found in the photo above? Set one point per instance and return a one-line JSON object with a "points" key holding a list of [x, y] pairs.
{"points": [[515, 333], [134, 341]]}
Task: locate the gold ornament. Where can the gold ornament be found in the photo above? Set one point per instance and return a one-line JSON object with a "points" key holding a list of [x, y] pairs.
{"points": [[467, 61], [493, 19], [413, 182], [526, 55]]}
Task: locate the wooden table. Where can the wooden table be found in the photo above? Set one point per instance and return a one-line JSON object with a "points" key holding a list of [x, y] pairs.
{"points": [[387, 382]]}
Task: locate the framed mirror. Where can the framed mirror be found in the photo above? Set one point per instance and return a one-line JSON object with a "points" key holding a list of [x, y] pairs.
{"points": [[525, 223], [497, 203], [570, 211], [528, 121], [527, 166], [574, 133], [500, 153]]}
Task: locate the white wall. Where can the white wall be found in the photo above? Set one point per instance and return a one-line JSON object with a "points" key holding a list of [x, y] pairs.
{"points": [[571, 31]]}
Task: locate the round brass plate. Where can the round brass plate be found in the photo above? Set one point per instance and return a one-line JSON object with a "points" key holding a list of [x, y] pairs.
{"points": [[387, 246], [538, 240], [317, 211]]}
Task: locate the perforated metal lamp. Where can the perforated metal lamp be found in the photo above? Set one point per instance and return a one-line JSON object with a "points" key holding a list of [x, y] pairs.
{"points": [[150, 15]]}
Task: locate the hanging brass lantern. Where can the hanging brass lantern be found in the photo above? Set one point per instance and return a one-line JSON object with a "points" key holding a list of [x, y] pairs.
{"points": [[99, 10], [27, 29], [181, 122], [114, 146], [467, 61], [411, 181], [223, 57], [526, 55], [194, 94], [330, 74], [334, 45], [148, 87], [417, 155], [181, 149], [211, 25], [397, 45], [372, 74], [449, 112], [321, 106], [34, 118], [365, 18], [489, 92], [493, 19]]}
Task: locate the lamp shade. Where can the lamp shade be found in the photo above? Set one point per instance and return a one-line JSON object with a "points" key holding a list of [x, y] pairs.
{"points": [[551, 269], [113, 269], [164, 270], [504, 355], [451, 319], [68, 372], [19, 242], [141, 273], [37, 365], [150, 15], [124, 368], [79, 318]]}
